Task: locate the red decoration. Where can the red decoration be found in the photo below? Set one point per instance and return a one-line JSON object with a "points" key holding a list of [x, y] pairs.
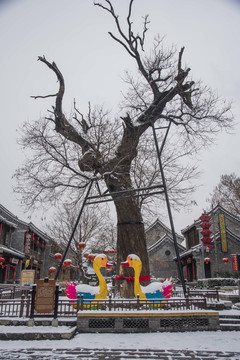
{"points": [[208, 246], [91, 257], [58, 256], [206, 232], [81, 245], [205, 225], [86, 256], [206, 240], [52, 269], [67, 263], [225, 260], [1, 259], [207, 260], [205, 217], [112, 251]]}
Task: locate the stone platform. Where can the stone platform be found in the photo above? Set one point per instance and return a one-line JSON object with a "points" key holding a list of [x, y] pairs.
{"points": [[143, 321]]}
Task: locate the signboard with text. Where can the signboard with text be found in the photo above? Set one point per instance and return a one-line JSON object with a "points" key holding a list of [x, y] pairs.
{"points": [[27, 277], [45, 296], [236, 262], [223, 233]]}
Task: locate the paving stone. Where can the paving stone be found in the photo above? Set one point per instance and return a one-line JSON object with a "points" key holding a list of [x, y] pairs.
{"points": [[115, 354]]}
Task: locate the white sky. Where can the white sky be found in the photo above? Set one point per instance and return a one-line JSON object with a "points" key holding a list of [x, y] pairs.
{"points": [[74, 35]]}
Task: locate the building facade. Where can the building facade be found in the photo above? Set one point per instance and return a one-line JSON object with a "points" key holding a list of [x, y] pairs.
{"points": [[161, 251], [22, 246], [201, 261]]}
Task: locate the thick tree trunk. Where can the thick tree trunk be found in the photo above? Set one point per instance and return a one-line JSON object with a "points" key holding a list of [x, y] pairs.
{"points": [[130, 234]]}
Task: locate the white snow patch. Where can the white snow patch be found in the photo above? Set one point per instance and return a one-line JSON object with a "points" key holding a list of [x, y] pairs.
{"points": [[85, 288]]}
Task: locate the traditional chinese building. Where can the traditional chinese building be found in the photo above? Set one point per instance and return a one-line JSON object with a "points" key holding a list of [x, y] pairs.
{"points": [[211, 259], [161, 250], [22, 246]]}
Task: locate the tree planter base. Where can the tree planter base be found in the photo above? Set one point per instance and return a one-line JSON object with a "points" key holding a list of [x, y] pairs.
{"points": [[132, 322]]}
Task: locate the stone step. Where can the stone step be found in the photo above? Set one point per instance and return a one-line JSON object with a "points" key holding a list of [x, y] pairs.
{"points": [[229, 316], [230, 327], [37, 332], [229, 321]]}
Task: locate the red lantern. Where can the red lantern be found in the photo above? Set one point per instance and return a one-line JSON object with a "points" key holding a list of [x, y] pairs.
{"points": [[205, 217], [106, 251], [1, 259], [58, 256], [81, 245], [67, 263], [52, 270], [91, 257], [225, 260], [112, 251], [205, 225], [206, 240], [206, 232], [207, 260]]}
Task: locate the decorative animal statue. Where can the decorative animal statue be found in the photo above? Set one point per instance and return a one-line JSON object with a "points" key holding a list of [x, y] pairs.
{"points": [[90, 292], [155, 290]]}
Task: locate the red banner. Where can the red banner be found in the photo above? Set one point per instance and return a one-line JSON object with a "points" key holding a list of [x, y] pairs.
{"points": [[235, 262]]}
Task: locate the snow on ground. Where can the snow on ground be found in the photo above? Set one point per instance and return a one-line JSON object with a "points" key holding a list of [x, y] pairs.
{"points": [[200, 340]]}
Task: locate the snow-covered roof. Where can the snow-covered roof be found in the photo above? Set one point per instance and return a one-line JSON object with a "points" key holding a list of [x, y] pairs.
{"points": [[12, 252]]}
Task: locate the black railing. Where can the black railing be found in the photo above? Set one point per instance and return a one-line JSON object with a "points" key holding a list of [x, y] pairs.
{"points": [[142, 304]]}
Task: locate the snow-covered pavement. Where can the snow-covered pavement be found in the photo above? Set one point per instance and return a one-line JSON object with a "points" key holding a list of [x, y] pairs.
{"points": [[169, 346]]}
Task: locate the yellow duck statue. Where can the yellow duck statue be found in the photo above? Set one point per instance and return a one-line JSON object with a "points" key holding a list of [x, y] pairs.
{"points": [[155, 290]]}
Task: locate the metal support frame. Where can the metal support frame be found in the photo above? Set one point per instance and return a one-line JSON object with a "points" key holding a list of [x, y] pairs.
{"points": [[74, 229], [129, 193], [168, 202]]}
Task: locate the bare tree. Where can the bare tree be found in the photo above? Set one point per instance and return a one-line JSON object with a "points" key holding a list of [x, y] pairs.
{"points": [[93, 231], [227, 193], [163, 92]]}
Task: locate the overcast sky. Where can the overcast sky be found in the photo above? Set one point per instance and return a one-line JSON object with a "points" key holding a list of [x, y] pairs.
{"points": [[73, 33]]}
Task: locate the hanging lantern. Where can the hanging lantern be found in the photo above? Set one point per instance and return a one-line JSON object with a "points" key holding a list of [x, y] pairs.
{"points": [[207, 260], [206, 232], [67, 263], [81, 245], [106, 251], [112, 251], [225, 260], [58, 256], [52, 270], [1, 260], [91, 257], [205, 217], [205, 225]]}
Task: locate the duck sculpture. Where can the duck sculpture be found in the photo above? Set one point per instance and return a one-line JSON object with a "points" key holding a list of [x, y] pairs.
{"points": [[90, 292], [155, 290]]}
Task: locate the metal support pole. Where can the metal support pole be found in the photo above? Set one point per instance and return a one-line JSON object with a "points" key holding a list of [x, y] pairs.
{"points": [[74, 229], [168, 204]]}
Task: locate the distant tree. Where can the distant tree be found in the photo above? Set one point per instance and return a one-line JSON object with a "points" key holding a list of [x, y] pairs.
{"points": [[227, 193], [93, 145], [93, 230]]}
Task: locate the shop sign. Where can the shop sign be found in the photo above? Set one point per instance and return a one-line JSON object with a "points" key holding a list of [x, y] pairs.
{"points": [[14, 261], [236, 262], [223, 233], [45, 296]]}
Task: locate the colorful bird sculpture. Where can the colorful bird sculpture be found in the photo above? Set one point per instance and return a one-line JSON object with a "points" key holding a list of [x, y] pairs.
{"points": [[155, 290], [90, 292]]}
